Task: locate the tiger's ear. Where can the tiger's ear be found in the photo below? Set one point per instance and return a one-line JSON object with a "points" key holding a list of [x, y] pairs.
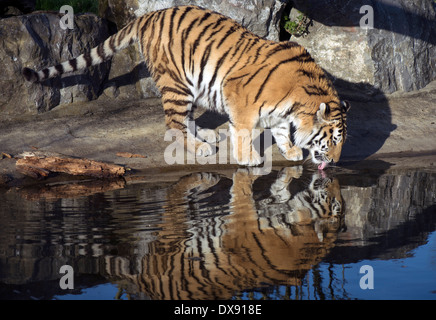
{"points": [[323, 112], [345, 106]]}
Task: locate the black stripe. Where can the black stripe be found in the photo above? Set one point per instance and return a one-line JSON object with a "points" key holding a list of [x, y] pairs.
{"points": [[254, 74], [162, 24], [308, 74], [228, 33], [219, 22], [173, 76], [88, 59], [214, 98], [180, 91], [173, 15], [218, 66], [239, 47], [46, 73], [112, 44], [239, 77], [188, 30], [59, 68], [204, 60], [262, 87], [145, 25], [170, 112], [332, 101], [174, 63], [36, 74], [121, 36], [100, 51], [280, 101], [182, 17], [177, 102], [156, 47], [73, 64], [151, 37], [290, 110], [257, 54], [323, 136], [216, 32], [260, 108], [254, 42], [130, 27], [278, 48], [197, 41], [205, 17], [179, 123], [183, 88], [335, 114], [304, 57], [315, 90], [315, 136], [274, 109]]}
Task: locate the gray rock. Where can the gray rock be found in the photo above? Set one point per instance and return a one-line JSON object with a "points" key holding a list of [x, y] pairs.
{"points": [[398, 54], [37, 41], [118, 12], [16, 7], [260, 16]]}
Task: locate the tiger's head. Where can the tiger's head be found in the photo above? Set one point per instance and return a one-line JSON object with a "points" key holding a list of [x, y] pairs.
{"points": [[327, 135], [327, 205]]}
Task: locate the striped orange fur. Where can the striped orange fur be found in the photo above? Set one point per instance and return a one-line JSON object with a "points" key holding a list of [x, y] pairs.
{"points": [[198, 57]]}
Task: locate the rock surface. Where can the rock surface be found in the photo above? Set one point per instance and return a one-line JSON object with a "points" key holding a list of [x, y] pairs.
{"points": [[261, 17], [398, 54], [12, 7], [402, 125], [37, 41]]}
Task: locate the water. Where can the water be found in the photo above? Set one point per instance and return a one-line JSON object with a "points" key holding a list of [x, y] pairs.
{"points": [[292, 234]]}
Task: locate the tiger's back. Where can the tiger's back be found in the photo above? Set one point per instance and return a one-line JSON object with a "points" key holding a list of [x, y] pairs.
{"points": [[198, 57]]}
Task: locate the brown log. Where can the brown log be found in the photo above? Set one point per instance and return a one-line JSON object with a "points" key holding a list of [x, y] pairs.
{"points": [[130, 155], [39, 166], [34, 172], [71, 190]]}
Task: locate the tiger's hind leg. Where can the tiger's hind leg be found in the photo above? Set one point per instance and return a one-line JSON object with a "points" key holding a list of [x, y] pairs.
{"points": [[281, 134], [178, 115]]}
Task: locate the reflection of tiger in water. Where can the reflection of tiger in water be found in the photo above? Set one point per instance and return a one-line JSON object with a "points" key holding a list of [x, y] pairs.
{"points": [[320, 204], [218, 256], [201, 58]]}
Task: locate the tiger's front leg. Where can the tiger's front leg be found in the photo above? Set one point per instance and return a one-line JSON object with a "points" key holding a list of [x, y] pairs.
{"points": [[281, 134], [243, 148]]}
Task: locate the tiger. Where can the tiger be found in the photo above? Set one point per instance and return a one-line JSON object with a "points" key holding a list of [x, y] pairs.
{"points": [[198, 57], [319, 204], [216, 238]]}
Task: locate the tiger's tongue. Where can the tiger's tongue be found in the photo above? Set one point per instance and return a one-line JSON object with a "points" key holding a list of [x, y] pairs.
{"points": [[322, 165]]}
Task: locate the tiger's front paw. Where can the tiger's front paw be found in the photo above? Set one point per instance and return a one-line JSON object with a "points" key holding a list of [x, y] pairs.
{"points": [[208, 135], [249, 159], [293, 154], [205, 150]]}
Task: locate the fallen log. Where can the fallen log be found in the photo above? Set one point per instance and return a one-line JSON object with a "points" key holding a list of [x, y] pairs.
{"points": [[39, 165], [71, 190], [130, 155]]}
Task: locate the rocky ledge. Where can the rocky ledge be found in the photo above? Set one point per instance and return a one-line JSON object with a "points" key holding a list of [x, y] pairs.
{"points": [[115, 108]]}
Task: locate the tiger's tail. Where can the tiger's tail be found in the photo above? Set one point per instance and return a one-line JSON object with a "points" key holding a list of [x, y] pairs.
{"points": [[97, 55]]}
